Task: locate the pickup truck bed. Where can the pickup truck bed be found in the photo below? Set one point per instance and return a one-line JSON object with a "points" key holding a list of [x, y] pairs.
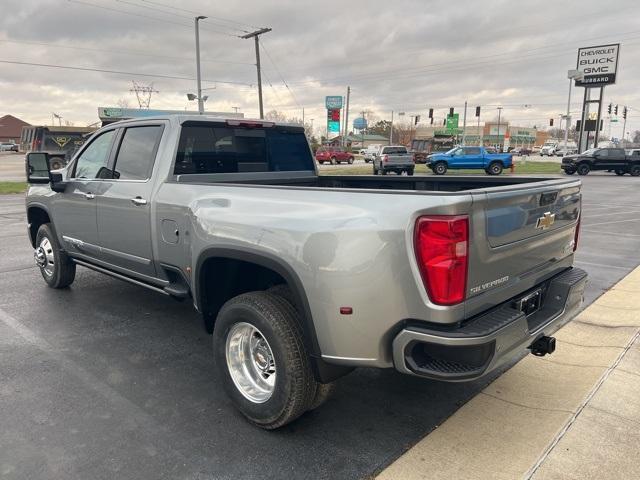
{"points": [[305, 276]]}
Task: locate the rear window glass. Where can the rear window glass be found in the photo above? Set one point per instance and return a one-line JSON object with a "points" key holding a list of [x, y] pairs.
{"points": [[216, 148], [392, 150]]}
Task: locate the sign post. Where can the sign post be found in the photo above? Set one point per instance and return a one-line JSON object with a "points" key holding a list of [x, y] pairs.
{"points": [[596, 67]]}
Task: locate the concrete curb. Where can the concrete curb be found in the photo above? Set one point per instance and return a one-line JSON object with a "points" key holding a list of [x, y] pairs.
{"points": [[527, 423]]}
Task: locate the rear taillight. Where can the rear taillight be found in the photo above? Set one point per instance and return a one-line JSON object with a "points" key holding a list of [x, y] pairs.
{"points": [[385, 158], [577, 234], [441, 243]]}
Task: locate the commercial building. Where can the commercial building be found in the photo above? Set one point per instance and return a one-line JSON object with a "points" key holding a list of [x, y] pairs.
{"points": [[431, 138], [11, 128], [360, 141]]}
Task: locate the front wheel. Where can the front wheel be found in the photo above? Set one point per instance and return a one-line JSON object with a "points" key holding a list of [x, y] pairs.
{"points": [[635, 170], [261, 359], [333, 160], [350, 160], [410, 172], [620, 171], [583, 169], [56, 268]]}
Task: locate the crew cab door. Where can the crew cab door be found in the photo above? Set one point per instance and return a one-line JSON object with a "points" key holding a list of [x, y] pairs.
{"points": [[473, 157], [74, 210], [124, 204]]}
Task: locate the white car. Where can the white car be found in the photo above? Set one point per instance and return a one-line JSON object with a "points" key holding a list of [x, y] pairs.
{"points": [[8, 147]]}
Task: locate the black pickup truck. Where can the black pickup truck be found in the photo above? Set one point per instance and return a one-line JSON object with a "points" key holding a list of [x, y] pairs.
{"points": [[609, 159]]}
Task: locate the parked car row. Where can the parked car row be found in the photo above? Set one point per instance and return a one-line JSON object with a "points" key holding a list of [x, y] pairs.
{"points": [[333, 155]]}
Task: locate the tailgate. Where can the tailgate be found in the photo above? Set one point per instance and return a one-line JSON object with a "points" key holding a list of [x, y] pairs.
{"points": [[520, 236], [399, 159]]}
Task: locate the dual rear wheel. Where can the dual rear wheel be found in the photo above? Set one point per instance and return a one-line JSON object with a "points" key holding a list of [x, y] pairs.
{"points": [[262, 360]]}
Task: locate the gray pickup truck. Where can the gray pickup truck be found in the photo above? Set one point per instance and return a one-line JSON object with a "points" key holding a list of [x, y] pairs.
{"points": [[393, 158], [300, 277]]}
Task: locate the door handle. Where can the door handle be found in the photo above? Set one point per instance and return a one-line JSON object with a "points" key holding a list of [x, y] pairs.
{"points": [[139, 201], [89, 196]]}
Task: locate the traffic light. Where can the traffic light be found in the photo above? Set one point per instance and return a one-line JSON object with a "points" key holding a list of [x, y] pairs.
{"points": [[431, 113], [451, 111], [551, 122], [417, 119], [444, 123], [615, 110], [624, 113], [609, 108], [431, 120], [477, 111]]}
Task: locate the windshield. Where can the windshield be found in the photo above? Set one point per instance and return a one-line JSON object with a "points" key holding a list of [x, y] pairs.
{"points": [[452, 151], [591, 151]]}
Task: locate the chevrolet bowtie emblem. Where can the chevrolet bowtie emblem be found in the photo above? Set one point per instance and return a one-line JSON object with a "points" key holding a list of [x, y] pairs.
{"points": [[546, 220]]}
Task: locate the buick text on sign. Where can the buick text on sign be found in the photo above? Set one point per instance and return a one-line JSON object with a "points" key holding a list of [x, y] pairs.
{"points": [[598, 65]]}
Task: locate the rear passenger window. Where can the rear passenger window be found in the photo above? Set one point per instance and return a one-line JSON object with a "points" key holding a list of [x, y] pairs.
{"points": [[137, 153], [472, 151]]}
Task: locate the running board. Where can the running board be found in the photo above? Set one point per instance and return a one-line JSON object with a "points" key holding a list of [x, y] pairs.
{"points": [[120, 276]]}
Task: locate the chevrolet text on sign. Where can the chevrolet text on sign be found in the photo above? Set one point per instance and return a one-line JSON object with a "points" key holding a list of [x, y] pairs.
{"points": [[598, 65]]}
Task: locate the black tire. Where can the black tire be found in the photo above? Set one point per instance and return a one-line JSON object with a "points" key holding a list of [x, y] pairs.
{"points": [[350, 160], [375, 170], [583, 169], [495, 168], [278, 321], [383, 171], [440, 168], [323, 392], [282, 290], [635, 170], [62, 271], [56, 163], [569, 171], [333, 160], [410, 172], [620, 171]]}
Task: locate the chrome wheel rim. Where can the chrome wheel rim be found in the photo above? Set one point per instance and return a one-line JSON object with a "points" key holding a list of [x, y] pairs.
{"points": [[44, 257], [250, 362]]}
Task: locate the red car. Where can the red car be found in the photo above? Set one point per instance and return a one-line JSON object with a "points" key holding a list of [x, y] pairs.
{"points": [[333, 155]]}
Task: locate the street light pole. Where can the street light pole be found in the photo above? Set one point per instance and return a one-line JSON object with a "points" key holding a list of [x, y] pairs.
{"points": [[255, 36], [391, 130], [198, 79], [464, 124]]}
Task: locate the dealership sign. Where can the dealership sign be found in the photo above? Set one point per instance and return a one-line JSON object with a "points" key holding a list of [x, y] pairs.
{"points": [[598, 65]]}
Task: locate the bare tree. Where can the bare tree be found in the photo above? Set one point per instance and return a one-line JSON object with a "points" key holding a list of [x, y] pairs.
{"points": [[123, 103]]}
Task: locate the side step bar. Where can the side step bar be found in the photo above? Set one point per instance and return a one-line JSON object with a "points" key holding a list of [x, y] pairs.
{"points": [[120, 276]]}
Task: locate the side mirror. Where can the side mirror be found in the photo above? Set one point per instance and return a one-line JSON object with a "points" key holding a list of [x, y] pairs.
{"points": [[37, 166], [39, 171]]}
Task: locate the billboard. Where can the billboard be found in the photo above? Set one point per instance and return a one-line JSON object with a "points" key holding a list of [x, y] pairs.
{"points": [[452, 121], [598, 65]]}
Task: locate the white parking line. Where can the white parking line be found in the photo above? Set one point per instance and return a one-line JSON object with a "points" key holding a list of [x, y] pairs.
{"points": [[609, 233], [602, 265], [610, 213]]}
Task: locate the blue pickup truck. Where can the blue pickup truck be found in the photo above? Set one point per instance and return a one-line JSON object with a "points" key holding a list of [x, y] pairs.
{"points": [[469, 157]]}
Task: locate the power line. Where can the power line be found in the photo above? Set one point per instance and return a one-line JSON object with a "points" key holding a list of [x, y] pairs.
{"points": [[119, 72], [198, 13], [156, 9], [280, 74], [123, 52], [124, 12]]}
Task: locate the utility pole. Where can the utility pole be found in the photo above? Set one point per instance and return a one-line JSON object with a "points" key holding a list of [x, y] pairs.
{"points": [[255, 35], [391, 130], [346, 115], [464, 124], [198, 79], [499, 144]]}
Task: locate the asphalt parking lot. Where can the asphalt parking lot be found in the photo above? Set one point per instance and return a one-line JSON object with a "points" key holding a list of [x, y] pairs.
{"points": [[109, 380]]}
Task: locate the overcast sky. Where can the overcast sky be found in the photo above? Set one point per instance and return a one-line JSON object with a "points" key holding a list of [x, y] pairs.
{"points": [[399, 55]]}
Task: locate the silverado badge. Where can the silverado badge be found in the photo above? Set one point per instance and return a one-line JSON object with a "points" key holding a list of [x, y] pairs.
{"points": [[546, 220]]}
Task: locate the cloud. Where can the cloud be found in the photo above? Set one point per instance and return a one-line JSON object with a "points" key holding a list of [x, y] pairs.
{"points": [[406, 55]]}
